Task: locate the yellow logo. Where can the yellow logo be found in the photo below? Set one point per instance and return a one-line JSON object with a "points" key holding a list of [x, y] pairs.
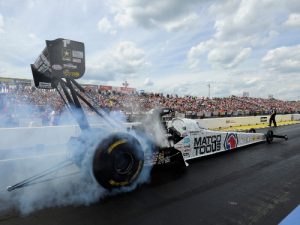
{"points": [[71, 74]]}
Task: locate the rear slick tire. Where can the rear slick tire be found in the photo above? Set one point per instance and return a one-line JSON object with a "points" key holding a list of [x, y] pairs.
{"points": [[118, 161]]}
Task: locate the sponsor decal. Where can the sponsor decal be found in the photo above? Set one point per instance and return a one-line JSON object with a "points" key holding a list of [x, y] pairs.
{"points": [[77, 54], [229, 121], [263, 119], [71, 74], [186, 154], [184, 134], [66, 54], [194, 132], [56, 67], [160, 158], [180, 147], [257, 138], [75, 60], [246, 139], [45, 85], [186, 142], [70, 66], [66, 42], [254, 138], [186, 150], [231, 141], [208, 144]]}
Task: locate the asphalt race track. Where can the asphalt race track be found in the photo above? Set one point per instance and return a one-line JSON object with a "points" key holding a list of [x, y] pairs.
{"points": [[259, 184]]}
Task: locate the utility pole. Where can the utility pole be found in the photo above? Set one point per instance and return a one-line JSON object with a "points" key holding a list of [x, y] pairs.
{"points": [[208, 90], [125, 84]]}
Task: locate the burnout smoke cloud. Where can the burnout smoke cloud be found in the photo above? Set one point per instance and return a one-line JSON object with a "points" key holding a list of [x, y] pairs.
{"points": [[74, 184]]}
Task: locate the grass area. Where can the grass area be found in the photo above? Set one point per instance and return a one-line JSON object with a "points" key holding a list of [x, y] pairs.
{"points": [[255, 126]]}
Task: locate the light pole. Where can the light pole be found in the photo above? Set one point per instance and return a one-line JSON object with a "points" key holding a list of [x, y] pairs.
{"points": [[125, 84], [208, 90]]}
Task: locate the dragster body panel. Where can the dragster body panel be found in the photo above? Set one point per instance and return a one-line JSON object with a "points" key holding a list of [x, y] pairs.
{"points": [[197, 141]]}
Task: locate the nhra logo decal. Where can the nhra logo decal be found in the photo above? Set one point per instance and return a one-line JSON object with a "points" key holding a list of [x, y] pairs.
{"points": [[231, 141]]}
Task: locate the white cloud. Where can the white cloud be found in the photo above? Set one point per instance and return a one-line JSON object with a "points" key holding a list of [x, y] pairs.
{"points": [[11, 70], [31, 3], [195, 54], [252, 80], [293, 20], [1, 24], [228, 57], [218, 38], [219, 54], [283, 59], [124, 19], [293, 5], [148, 82], [241, 56], [181, 22], [105, 26], [124, 60], [169, 14], [240, 27], [244, 18], [34, 38]]}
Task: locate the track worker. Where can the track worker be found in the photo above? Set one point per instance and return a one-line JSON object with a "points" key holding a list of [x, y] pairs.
{"points": [[272, 117]]}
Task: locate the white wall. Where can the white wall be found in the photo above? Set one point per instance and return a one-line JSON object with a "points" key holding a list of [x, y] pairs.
{"points": [[31, 136], [237, 121], [23, 137], [296, 117]]}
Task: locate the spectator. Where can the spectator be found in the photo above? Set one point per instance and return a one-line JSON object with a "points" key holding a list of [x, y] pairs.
{"points": [[272, 117], [133, 104]]}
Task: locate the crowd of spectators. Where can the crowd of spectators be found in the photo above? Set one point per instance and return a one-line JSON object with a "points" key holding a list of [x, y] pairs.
{"points": [[45, 104], [198, 106]]}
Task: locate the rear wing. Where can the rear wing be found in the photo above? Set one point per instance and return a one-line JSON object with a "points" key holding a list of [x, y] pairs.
{"points": [[61, 58]]}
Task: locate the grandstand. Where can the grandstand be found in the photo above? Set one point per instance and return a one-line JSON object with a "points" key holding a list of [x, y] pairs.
{"points": [[46, 103]]}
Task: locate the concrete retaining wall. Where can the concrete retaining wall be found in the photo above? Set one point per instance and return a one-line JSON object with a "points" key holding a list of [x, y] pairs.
{"points": [[296, 117], [237, 121], [23, 137]]}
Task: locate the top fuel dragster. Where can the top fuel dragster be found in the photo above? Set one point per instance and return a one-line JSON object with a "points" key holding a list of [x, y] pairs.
{"points": [[118, 158]]}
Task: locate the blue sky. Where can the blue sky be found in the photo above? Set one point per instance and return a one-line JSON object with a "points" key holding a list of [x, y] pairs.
{"points": [[169, 46]]}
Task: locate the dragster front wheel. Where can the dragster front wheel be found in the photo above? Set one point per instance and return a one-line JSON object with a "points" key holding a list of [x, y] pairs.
{"points": [[118, 161], [269, 136], [252, 130]]}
